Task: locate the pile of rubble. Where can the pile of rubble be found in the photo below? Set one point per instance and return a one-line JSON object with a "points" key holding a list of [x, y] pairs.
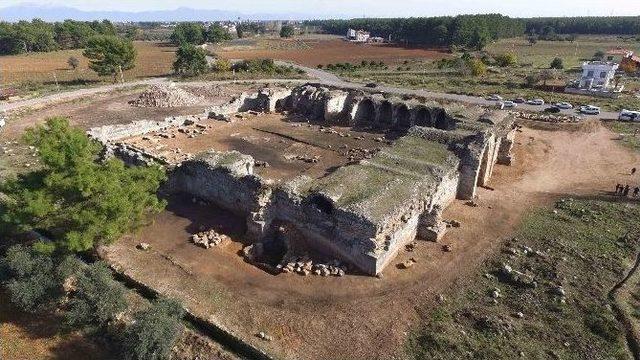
{"points": [[208, 239], [305, 266], [304, 158], [166, 96], [546, 117], [357, 154]]}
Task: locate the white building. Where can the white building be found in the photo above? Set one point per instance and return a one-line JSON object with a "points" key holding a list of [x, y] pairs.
{"points": [[358, 36], [598, 75]]}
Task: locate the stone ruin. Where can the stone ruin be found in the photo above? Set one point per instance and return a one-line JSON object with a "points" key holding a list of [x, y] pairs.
{"points": [[363, 213]]}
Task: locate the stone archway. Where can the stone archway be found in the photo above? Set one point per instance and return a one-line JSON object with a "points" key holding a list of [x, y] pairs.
{"points": [[423, 117], [385, 114], [365, 113], [402, 117]]}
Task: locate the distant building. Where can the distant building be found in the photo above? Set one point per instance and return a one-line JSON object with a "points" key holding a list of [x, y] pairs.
{"points": [[358, 35], [597, 79], [598, 75]]}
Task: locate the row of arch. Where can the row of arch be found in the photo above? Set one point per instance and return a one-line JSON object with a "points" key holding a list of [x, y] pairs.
{"points": [[385, 114]]}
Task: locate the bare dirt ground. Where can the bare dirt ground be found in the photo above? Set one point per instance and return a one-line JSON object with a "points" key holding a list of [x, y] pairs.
{"points": [[322, 51], [289, 145], [362, 317]]}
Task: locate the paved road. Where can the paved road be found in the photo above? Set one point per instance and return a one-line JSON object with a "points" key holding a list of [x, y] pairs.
{"points": [[321, 76]]}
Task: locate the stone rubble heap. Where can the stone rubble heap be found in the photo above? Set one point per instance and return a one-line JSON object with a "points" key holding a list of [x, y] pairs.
{"points": [[546, 117], [305, 266], [208, 239], [166, 96]]}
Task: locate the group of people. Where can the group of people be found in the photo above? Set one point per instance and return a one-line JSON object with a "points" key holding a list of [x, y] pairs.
{"points": [[624, 190]]}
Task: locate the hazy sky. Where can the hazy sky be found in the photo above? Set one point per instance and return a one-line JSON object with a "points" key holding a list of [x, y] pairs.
{"points": [[357, 8]]}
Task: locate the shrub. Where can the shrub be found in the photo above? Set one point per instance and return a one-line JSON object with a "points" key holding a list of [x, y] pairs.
{"points": [[507, 59], [557, 64], [97, 297], [221, 65], [154, 331], [73, 62], [477, 67], [33, 280]]}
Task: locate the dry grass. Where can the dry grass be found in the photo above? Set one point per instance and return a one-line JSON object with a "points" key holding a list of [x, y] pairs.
{"points": [[154, 59]]}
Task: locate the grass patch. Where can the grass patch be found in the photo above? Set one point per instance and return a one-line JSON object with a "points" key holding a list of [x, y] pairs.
{"points": [[581, 248], [629, 133]]}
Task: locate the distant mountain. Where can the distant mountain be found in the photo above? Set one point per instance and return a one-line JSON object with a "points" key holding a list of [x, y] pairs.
{"points": [[59, 13]]}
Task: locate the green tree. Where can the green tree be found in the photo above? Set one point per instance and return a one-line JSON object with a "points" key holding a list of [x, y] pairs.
{"points": [[479, 40], [507, 59], [217, 34], [546, 75], [97, 297], [188, 33], [287, 31], [240, 32], [76, 200], [557, 64], [108, 55], [532, 80], [154, 331], [32, 279], [190, 61]]}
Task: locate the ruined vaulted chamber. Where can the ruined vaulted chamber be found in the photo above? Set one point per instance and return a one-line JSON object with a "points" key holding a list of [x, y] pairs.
{"points": [[365, 211]]}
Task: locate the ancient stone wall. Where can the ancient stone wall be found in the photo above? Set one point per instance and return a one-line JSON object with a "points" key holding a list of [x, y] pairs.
{"points": [[225, 179]]}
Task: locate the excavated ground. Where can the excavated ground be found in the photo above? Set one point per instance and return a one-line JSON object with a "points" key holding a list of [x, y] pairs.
{"points": [[363, 317], [283, 146]]}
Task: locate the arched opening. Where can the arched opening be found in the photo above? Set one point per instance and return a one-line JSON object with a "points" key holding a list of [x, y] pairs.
{"points": [[322, 203], [385, 115], [365, 113], [403, 117], [442, 122], [423, 117]]}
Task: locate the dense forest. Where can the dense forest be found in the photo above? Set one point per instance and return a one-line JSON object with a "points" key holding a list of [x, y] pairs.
{"points": [[37, 35], [605, 25], [468, 30]]}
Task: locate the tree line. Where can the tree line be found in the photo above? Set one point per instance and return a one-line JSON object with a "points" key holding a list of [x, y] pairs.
{"points": [[472, 31], [41, 36]]}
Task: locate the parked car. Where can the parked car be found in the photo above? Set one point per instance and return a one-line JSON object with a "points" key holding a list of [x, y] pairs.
{"points": [[628, 115], [552, 110], [535, 102], [590, 110], [495, 97], [564, 105], [507, 105], [519, 100]]}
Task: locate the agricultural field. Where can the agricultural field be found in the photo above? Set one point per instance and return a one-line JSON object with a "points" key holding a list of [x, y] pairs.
{"points": [[508, 81], [314, 50], [37, 72]]}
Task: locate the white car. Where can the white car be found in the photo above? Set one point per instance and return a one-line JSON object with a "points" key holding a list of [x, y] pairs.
{"points": [[507, 104], [564, 105], [590, 110], [628, 115], [495, 97], [535, 102]]}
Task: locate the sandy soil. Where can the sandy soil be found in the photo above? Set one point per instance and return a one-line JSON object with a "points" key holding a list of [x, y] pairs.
{"points": [[362, 317], [313, 52]]}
